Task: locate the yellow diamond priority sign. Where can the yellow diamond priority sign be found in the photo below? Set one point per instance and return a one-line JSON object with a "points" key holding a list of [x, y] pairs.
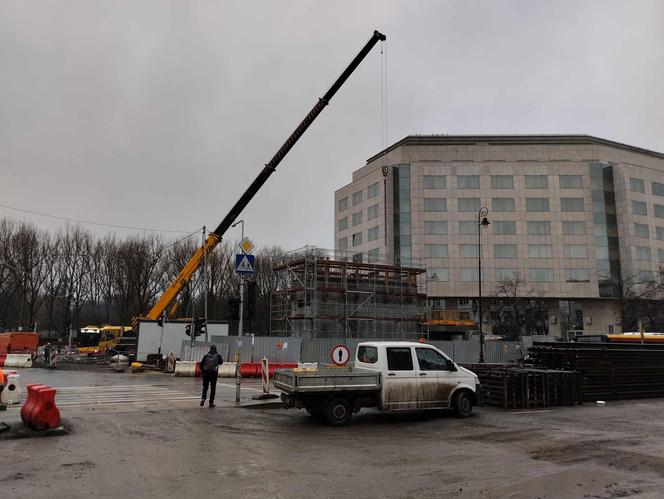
{"points": [[246, 245]]}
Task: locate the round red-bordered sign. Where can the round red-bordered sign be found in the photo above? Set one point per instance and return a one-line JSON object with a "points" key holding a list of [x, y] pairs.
{"points": [[340, 354]]}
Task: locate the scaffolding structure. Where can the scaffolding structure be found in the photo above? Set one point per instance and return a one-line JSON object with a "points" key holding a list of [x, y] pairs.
{"points": [[323, 295]]}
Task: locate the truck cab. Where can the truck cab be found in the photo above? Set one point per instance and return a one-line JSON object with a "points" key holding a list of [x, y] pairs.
{"points": [[415, 375], [388, 375]]}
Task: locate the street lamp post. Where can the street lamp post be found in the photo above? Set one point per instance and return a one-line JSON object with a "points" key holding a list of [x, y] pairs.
{"points": [[240, 325], [482, 221]]}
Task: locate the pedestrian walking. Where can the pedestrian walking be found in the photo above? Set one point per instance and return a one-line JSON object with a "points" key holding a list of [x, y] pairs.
{"points": [[210, 369]]}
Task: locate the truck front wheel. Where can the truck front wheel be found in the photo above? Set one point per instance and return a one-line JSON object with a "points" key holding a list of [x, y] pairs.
{"points": [[463, 404], [338, 411]]}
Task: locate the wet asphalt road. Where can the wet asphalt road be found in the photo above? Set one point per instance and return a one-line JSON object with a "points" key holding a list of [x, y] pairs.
{"points": [[146, 436]]}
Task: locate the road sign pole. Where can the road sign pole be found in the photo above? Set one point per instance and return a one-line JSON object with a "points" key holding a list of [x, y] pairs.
{"points": [[239, 330]]}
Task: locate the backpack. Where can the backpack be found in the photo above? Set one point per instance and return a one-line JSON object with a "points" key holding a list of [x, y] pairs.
{"points": [[211, 363]]}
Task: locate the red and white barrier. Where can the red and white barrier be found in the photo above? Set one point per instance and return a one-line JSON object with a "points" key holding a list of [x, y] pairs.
{"points": [[187, 369], [16, 360], [227, 370]]}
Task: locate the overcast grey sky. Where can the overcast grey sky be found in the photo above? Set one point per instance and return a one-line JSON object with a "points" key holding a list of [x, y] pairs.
{"points": [[159, 114]]}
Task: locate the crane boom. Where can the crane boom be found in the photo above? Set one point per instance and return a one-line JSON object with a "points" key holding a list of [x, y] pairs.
{"points": [[214, 238]]}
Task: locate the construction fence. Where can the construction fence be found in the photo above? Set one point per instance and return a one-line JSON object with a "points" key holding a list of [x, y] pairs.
{"points": [[291, 349]]}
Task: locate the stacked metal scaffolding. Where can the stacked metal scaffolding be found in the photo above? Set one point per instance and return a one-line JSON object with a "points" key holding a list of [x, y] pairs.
{"points": [[325, 295]]}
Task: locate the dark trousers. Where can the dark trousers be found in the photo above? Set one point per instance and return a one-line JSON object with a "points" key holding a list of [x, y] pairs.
{"points": [[209, 379]]}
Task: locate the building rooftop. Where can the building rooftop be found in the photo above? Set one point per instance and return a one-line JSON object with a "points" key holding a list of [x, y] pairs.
{"points": [[433, 140]]}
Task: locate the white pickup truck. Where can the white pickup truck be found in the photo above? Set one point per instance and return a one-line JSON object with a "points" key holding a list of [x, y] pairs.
{"points": [[389, 375]]}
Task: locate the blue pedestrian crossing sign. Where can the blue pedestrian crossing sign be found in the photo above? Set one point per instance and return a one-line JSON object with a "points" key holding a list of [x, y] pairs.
{"points": [[244, 264]]}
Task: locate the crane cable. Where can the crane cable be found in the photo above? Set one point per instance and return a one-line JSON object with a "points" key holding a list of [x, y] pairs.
{"points": [[383, 129]]}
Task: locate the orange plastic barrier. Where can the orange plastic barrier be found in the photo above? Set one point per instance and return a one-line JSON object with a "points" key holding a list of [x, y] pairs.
{"points": [[39, 411], [5, 341], [24, 342], [253, 369]]}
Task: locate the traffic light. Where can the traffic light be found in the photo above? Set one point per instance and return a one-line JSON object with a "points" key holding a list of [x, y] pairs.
{"points": [[234, 308], [200, 325]]}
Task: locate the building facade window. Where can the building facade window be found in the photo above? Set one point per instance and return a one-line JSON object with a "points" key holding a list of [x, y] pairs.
{"points": [[540, 251], [576, 251], [435, 182], [570, 181], [660, 255], [373, 255], [435, 227], [504, 227], [435, 251], [577, 275], [639, 208], [438, 274], [506, 274], [541, 275], [468, 227], [502, 204], [468, 251], [537, 182], [357, 198], [343, 223], [539, 228], [469, 275], [659, 210], [537, 204], [435, 204], [469, 204], [659, 233], [575, 228], [645, 276], [357, 239], [468, 181], [642, 230], [402, 219], [372, 212], [343, 243], [372, 191], [502, 181], [643, 253], [571, 204], [504, 251], [658, 189], [637, 185], [357, 218], [373, 233], [342, 205]]}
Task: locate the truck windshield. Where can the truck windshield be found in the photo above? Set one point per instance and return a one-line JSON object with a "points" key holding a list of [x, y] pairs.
{"points": [[430, 360], [88, 339]]}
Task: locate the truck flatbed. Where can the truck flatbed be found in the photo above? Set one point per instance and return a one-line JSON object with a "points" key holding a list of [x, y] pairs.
{"points": [[327, 380]]}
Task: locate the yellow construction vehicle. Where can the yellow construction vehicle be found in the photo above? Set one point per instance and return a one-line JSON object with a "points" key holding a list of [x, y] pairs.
{"points": [[97, 340]]}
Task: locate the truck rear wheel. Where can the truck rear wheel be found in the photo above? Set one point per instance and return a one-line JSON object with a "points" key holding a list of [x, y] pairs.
{"points": [[338, 411], [462, 404]]}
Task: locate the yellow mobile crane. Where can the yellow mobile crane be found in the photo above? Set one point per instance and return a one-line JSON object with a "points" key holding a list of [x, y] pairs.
{"points": [[185, 275]]}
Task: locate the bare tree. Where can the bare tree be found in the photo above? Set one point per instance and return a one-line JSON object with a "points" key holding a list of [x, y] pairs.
{"points": [[517, 307], [29, 252]]}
